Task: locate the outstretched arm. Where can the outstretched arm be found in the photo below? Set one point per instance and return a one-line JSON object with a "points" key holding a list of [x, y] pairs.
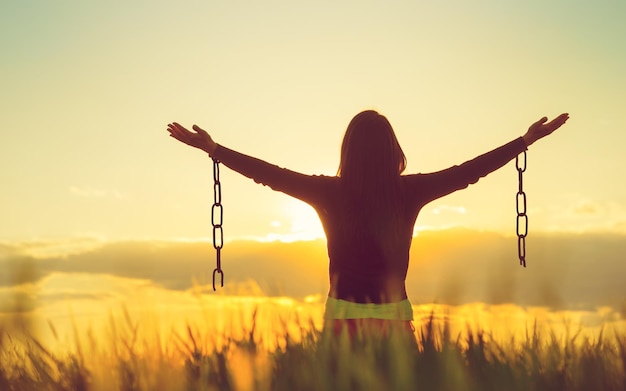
{"points": [[459, 177], [304, 187], [541, 129]]}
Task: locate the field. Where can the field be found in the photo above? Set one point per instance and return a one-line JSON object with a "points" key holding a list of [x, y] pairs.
{"points": [[293, 354]]}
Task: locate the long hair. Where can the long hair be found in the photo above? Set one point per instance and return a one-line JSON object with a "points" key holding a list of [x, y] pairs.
{"points": [[370, 167], [370, 152]]}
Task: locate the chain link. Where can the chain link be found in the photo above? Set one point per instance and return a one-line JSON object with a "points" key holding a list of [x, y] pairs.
{"points": [[217, 218], [522, 217]]}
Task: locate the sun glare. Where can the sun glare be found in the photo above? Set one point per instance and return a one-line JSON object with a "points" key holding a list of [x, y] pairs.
{"points": [[304, 222]]}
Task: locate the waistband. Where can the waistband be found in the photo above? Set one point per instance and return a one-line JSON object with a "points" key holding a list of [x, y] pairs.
{"points": [[343, 309]]}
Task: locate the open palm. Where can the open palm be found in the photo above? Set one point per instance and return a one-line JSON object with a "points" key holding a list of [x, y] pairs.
{"points": [[542, 128], [199, 139]]}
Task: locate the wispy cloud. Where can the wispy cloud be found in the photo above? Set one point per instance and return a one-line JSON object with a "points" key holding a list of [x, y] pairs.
{"points": [[52, 248], [449, 208], [92, 192], [586, 214]]}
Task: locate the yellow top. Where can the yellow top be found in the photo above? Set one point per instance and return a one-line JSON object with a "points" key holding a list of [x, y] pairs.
{"points": [[343, 309]]}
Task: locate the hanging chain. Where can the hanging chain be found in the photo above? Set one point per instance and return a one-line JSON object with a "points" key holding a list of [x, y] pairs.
{"points": [[522, 217], [217, 217]]}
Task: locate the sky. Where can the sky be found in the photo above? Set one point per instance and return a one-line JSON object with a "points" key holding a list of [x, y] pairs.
{"points": [[88, 89]]}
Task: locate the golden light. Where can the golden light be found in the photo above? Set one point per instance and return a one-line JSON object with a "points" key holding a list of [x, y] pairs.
{"points": [[304, 222]]}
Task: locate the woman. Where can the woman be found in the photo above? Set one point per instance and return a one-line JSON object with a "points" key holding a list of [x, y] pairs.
{"points": [[368, 212]]}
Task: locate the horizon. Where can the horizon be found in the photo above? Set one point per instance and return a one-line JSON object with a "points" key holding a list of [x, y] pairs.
{"points": [[559, 266]]}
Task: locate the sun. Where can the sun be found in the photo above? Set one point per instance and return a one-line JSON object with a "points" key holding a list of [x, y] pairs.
{"points": [[304, 222]]}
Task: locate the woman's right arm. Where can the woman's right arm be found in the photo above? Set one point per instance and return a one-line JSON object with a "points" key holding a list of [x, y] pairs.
{"points": [[542, 128], [441, 183]]}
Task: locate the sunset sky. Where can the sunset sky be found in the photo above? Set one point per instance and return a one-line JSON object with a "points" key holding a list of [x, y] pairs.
{"points": [[88, 89]]}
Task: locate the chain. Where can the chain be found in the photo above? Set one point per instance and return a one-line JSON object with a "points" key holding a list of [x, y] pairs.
{"points": [[522, 217], [217, 217]]}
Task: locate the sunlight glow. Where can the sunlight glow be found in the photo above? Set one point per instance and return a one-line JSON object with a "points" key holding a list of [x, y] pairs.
{"points": [[304, 222]]}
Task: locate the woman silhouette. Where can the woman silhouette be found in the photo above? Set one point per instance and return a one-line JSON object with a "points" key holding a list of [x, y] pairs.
{"points": [[368, 211]]}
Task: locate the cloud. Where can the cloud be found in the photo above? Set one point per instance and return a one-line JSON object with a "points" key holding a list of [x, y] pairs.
{"points": [[296, 268], [587, 208], [583, 214], [91, 192], [450, 209], [564, 271], [18, 299], [52, 248], [17, 269], [456, 266]]}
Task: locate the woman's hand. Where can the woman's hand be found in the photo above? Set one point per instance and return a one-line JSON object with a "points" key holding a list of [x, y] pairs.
{"points": [[200, 139], [541, 129]]}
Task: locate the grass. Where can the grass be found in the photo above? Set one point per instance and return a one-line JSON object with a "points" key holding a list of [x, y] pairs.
{"points": [[135, 358]]}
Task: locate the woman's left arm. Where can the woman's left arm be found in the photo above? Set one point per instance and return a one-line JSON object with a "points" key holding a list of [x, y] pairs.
{"points": [[200, 139], [304, 187]]}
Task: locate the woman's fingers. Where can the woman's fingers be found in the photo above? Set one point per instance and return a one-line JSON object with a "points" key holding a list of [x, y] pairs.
{"points": [[539, 123], [180, 133], [558, 121], [561, 119]]}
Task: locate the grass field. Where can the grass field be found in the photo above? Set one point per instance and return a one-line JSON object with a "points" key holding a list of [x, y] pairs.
{"points": [[298, 356]]}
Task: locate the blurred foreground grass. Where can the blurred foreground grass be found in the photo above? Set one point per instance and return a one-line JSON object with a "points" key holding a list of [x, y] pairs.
{"points": [[138, 357]]}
